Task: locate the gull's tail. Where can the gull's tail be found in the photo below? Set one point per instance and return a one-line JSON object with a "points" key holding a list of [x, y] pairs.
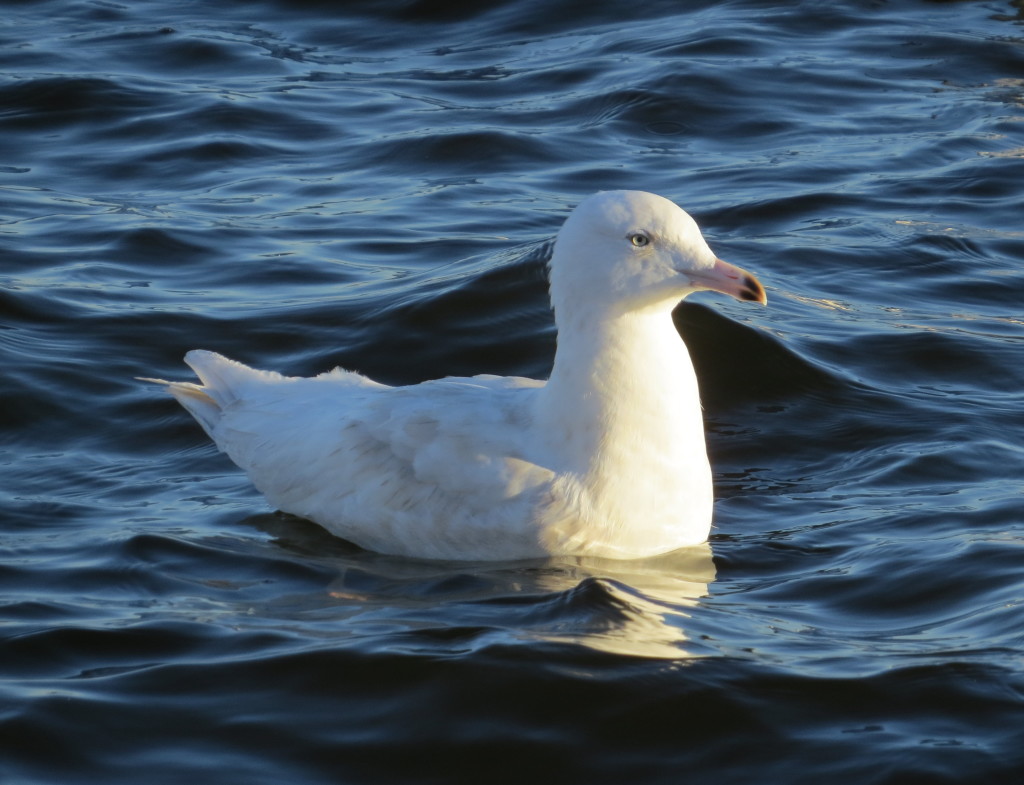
{"points": [[221, 380]]}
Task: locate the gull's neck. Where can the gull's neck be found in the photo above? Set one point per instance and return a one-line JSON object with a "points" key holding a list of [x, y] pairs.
{"points": [[622, 399]]}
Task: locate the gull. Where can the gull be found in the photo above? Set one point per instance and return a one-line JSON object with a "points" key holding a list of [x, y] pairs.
{"points": [[606, 458]]}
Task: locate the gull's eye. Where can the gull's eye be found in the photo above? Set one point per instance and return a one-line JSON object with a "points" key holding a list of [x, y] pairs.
{"points": [[640, 239]]}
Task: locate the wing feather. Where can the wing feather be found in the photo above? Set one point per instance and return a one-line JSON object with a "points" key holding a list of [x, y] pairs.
{"points": [[436, 466]]}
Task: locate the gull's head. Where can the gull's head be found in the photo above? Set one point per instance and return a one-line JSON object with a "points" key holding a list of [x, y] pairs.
{"points": [[630, 250]]}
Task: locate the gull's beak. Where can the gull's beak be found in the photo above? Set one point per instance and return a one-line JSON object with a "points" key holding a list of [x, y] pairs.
{"points": [[730, 279]]}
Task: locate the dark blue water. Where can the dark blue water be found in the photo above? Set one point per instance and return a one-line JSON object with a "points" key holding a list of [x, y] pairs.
{"points": [[302, 185]]}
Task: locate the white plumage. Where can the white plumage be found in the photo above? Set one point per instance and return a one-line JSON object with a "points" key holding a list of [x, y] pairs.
{"points": [[606, 458]]}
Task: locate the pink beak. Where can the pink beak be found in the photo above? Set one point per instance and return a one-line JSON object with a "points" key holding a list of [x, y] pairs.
{"points": [[732, 280]]}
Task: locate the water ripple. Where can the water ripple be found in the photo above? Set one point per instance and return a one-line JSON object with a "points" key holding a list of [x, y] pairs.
{"points": [[303, 186]]}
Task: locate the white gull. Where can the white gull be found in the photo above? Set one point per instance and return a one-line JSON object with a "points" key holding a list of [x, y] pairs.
{"points": [[606, 458]]}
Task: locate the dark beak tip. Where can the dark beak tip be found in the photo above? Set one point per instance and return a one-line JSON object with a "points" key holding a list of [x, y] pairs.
{"points": [[753, 291]]}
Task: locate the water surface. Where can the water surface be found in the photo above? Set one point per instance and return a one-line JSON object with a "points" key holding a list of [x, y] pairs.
{"points": [[303, 185]]}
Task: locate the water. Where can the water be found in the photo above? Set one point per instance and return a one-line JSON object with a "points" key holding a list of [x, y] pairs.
{"points": [[301, 185]]}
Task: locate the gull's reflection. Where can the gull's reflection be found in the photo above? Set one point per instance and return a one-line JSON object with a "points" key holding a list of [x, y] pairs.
{"points": [[635, 607]]}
